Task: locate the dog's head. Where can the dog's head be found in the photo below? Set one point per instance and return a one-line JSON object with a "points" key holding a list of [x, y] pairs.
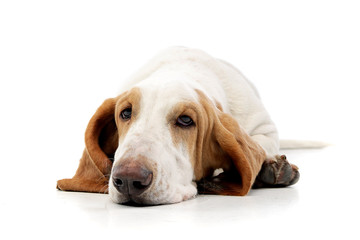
{"points": [[165, 138]]}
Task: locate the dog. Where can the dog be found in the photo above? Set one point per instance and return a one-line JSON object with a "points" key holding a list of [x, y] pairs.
{"points": [[185, 123]]}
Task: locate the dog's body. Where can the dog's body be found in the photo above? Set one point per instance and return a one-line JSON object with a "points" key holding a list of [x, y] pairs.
{"points": [[182, 116]]}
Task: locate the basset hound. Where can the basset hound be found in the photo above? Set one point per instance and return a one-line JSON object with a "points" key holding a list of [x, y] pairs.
{"points": [[185, 123]]}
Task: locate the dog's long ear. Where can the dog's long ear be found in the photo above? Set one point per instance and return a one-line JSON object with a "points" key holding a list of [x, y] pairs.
{"points": [[232, 149], [101, 140]]}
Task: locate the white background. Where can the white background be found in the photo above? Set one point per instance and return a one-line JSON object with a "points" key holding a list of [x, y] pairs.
{"points": [[60, 59]]}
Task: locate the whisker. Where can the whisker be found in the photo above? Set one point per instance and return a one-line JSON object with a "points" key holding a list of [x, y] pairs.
{"points": [[103, 189]]}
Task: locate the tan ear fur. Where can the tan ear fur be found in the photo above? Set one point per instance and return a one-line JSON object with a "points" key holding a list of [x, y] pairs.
{"points": [[229, 141], [94, 168], [246, 155]]}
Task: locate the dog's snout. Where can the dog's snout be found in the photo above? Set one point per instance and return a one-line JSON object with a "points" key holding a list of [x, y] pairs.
{"points": [[132, 178]]}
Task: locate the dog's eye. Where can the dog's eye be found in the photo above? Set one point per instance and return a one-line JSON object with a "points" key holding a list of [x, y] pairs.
{"points": [[184, 121], [126, 114]]}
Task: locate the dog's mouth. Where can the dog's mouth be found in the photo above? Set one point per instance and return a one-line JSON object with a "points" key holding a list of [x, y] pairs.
{"points": [[132, 203], [138, 201]]}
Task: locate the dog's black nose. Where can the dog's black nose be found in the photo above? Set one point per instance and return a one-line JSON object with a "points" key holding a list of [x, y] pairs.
{"points": [[131, 178]]}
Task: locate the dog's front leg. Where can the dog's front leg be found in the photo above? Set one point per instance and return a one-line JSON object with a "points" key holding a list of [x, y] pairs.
{"points": [[277, 172]]}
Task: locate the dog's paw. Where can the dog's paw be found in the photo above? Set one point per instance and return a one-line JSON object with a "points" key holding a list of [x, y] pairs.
{"points": [[277, 172]]}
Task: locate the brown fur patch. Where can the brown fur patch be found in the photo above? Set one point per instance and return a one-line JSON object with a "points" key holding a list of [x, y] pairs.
{"points": [[130, 99], [205, 156], [228, 146], [185, 135]]}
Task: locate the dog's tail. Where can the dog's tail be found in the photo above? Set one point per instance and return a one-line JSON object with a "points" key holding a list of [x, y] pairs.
{"points": [[302, 144]]}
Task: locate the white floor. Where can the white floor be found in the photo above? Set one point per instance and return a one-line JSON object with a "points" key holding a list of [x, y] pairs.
{"points": [[325, 203]]}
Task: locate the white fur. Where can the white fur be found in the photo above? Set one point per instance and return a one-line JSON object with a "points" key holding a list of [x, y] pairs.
{"points": [[170, 78]]}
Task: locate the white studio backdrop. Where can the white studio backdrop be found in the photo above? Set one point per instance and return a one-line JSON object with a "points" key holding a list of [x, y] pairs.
{"points": [[60, 59]]}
